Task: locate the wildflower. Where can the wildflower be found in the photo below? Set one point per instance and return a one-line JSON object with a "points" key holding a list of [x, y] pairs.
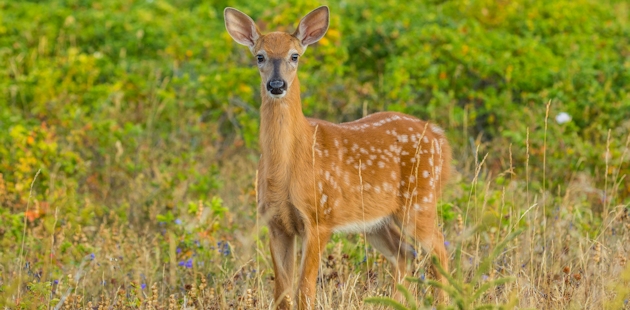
{"points": [[143, 286], [484, 277], [563, 117], [178, 250], [178, 221], [226, 249], [187, 263], [446, 243], [92, 256], [56, 281]]}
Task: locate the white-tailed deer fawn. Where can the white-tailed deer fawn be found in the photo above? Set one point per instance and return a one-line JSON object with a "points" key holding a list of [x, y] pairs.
{"points": [[378, 175]]}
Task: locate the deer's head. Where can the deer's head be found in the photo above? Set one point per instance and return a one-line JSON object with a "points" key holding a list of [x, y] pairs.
{"points": [[277, 53]]}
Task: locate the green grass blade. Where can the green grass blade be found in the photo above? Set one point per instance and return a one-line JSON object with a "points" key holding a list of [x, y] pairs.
{"points": [[447, 275], [486, 264], [410, 300], [386, 301], [490, 284]]}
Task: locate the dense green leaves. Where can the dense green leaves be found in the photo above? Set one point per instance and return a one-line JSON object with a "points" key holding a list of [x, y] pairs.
{"points": [[82, 80], [145, 112]]}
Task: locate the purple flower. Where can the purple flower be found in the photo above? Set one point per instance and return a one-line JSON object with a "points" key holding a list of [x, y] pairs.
{"points": [[187, 263], [143, 286], [178, 221], [56, 281], [178, 250], [226, 249], [446, 243], [92, 256], [484, 277]]}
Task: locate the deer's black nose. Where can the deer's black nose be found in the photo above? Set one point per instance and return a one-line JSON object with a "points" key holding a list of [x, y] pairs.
{"points": [[276, 84], [276, 87]]}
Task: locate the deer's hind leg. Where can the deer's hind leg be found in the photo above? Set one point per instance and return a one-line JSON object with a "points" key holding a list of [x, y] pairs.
{"points": [[420, 223], [393, 246]]}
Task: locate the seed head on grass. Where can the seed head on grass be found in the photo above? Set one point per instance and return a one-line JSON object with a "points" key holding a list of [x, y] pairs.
{"points": [[597, 255], [249, 301], [622, 260], [172, 303], [203, 284], [211, 294], [153, 302], [192, 294]]}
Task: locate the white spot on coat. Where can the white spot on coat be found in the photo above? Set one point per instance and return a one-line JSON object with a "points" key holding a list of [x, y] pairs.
{"points": [[323, 200], [435, 128]]}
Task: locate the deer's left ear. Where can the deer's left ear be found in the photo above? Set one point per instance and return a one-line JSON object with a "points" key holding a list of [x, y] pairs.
{"points": [[313, 26]]}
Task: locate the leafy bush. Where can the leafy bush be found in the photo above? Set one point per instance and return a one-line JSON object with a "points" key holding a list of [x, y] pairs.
{"points": [[141, 118]]}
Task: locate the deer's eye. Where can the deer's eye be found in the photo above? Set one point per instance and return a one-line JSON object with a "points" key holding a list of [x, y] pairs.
{"points": [[260, 58], [294, 57]]}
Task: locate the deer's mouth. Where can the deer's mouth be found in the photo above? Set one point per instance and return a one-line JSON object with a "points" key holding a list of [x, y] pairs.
{"points": [[277, 91], [276, 94]]}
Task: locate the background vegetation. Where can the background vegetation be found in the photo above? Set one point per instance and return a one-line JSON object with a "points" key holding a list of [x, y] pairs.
{"points": [[128, 147]]}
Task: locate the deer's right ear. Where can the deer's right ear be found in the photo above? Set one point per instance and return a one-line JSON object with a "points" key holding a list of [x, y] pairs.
{"points": [[241, 27]]}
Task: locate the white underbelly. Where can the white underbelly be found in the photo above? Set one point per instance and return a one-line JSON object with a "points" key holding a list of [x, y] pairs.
{"points": [[362, 226]]}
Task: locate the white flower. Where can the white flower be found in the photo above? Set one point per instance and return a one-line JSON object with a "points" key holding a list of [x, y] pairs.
{"points": [[563, 117]]}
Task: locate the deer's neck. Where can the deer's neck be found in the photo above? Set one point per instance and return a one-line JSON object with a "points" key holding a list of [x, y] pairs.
{"points": [[284, 134]]}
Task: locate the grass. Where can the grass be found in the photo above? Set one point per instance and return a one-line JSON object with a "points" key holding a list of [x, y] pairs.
{"points": [[215, 255], [128, 133]]}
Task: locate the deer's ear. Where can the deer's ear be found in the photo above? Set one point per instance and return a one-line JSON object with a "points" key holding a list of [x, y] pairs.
{"points": [[241, 27], [313, 26]]}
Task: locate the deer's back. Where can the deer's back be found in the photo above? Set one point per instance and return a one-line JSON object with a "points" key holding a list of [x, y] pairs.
{"points": [[378, 165]]}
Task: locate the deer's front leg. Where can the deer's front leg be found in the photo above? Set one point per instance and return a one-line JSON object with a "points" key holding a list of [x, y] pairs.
{"points": [[312, 247], [282, 245]]}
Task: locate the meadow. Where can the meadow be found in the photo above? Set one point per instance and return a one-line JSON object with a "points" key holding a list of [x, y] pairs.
{"points": [[129, 148]]}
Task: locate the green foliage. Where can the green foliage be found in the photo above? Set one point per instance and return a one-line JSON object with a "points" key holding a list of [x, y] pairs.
{"points": [[463, 294], [142, 119]]}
